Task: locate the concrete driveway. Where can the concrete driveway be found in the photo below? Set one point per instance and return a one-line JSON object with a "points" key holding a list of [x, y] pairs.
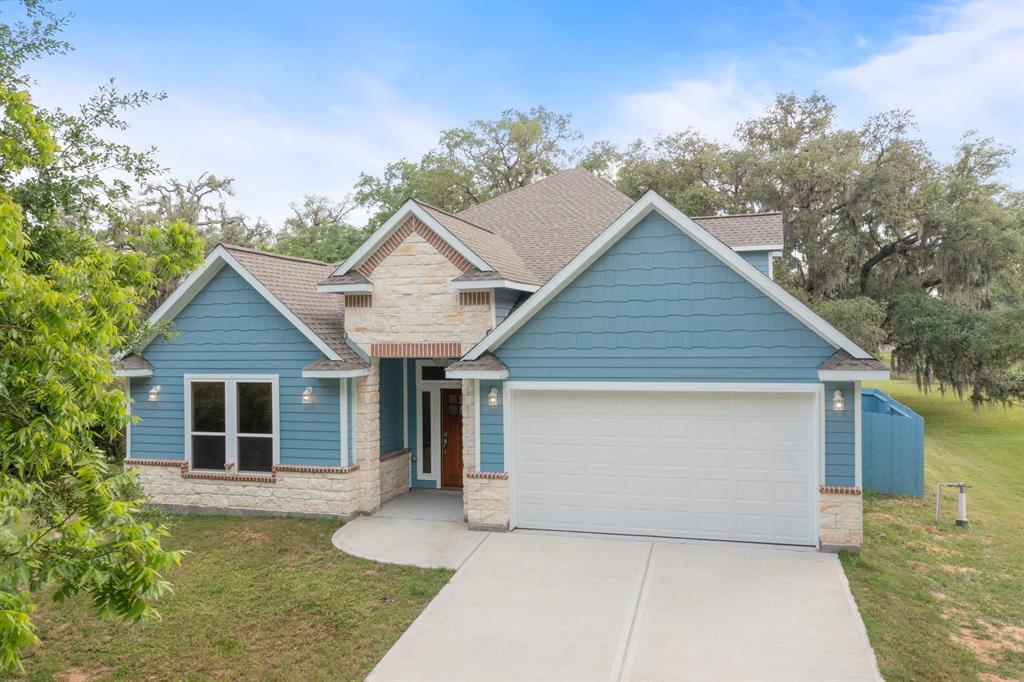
{"points": [[559, 607]]}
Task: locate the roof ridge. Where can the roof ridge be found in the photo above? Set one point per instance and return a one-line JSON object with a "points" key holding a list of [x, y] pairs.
{"points": [[735, 215], [271, 254], [453, 215], [535, 182]]}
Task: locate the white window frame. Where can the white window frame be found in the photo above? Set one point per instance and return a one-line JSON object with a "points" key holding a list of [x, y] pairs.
{"points": [[434, 388], [231, 434]]}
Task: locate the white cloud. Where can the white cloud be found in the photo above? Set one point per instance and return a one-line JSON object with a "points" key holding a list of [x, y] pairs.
{"points": [[712, 106], [965, 71], [275, 156]]}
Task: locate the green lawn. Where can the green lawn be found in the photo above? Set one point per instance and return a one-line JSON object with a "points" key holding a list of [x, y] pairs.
{"points": [[258, 598], [943, 602]]}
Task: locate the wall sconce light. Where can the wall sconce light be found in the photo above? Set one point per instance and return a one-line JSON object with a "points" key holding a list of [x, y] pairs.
{"points": [[154, 394], [492, 397], [307, 395], [838, 401]]}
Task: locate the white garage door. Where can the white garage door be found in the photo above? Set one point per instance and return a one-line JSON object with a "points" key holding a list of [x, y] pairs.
{"points": [[726, 466]]}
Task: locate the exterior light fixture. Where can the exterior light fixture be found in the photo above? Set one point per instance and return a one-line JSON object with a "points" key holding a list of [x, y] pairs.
{"points": [[307, 395], [154, 394], [492, 397], [838, 401]]}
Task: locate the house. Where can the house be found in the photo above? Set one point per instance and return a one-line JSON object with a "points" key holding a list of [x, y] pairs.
{"points": [[569, 358]]}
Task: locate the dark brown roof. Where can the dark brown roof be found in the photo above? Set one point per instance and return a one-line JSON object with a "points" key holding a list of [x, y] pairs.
{"points": [[293, 281], [351, 277], [842, 360], [485, 362], [550, 221], [132, 361], [749, 229]]}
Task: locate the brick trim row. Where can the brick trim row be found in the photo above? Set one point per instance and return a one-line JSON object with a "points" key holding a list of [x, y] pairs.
{"points": [[238, 478], [181, 464], [310, 469], [411, 225], [416, 350], [394, 453], [489, 475], [839, 490]]}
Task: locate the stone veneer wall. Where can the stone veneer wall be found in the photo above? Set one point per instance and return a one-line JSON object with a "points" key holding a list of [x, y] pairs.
{"points": [[841, 518], [394, 475], [319, 491], [469, 428], [367, 405], [413, 301], [486, 499]]}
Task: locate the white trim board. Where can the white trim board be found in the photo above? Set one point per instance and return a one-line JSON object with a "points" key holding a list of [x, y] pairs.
{"points": [[759, 247], [334, 373], [853, 374], [486, 374], [652, 201], [360, 288], [195, 282], [133, 372], [410, 207], [481, 284]]}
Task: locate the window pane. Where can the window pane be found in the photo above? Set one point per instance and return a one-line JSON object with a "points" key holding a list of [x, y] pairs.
{"points": [[432, 373], [208, 452], [255, 454], [255, 407], [208, 406], [425, 436]]}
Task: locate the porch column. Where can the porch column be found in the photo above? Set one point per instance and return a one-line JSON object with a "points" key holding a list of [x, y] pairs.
{"points": [[367, 403], [469, 427]]}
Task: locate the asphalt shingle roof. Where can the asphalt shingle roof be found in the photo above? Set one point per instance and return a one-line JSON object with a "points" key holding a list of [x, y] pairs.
{"points": [[750, 229], [842, 360]]}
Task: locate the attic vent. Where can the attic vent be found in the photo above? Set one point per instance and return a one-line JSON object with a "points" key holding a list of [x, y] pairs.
{"points": [[474, 298], [358, 300]]}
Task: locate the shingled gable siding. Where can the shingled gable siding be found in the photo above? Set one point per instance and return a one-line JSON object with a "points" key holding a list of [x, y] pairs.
{"points": [[658, 307], [759, 259], [228, 328]]}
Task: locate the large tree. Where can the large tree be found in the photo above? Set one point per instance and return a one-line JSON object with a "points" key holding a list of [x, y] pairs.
{"points": [[70, 297], [319, 228], [473, 164], [880, 236]]}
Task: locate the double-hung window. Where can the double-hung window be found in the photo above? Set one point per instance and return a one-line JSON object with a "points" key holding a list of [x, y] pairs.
{"points": [[231, 422]]}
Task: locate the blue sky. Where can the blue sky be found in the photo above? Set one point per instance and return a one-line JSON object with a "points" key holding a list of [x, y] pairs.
{"points": [[298, 98]]}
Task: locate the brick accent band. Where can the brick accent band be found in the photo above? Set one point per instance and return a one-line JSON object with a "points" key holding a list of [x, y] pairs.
{"points": [[310, 469], [411, 225], [394, 453], [416, 350], [489, 475], [155, 462], [839, 490], [238, 478]]}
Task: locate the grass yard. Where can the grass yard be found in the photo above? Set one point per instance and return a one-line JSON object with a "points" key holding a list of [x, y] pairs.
{"points": [[258, 598], [942, 602]]}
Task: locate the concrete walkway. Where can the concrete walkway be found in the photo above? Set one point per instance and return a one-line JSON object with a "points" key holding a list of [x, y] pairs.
{"points": [[561, 607]]}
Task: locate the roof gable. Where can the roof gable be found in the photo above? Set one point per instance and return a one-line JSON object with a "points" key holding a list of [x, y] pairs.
{"points": [[287, 284], [637, 212]]}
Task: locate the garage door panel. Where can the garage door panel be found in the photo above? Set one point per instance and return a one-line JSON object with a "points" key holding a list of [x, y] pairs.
{"points": [[737, 466]]}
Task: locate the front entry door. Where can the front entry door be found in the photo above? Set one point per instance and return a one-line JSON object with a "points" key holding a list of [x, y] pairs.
{"points": [[451, 438]]}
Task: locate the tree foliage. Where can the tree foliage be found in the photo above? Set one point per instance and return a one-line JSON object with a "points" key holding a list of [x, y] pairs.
{"points": [[319, 229], [471, 165]]}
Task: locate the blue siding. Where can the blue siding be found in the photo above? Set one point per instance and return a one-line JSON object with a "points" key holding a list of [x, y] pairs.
{"points": [[228, 328], [840, 433], [658, 307], [504, 299], [391, 416], [759, 259], [893, 445], [492, 429]]}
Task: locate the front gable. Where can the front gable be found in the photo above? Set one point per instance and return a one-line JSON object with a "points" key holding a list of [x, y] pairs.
{"points": [[657, 305]]}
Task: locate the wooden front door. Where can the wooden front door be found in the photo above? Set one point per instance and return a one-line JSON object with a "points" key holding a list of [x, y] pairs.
{"points": [[451, 438]]}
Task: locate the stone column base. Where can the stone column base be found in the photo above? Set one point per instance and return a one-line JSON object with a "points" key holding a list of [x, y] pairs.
{"points": [[841, 520], [486, 500], [394, 474]]}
